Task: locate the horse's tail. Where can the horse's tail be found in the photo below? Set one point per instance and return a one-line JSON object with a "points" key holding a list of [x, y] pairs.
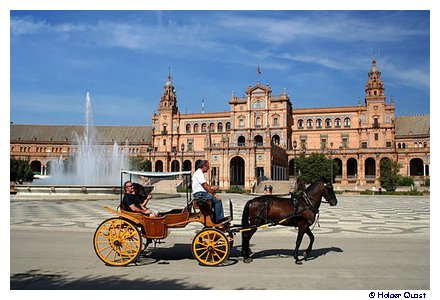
{"points": [[245, 215]]}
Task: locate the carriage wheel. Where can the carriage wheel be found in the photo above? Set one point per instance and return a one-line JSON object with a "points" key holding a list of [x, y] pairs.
{"points": [[117, 242], [210, 247]]}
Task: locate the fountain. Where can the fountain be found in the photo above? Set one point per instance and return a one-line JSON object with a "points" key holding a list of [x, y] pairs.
{"points": [[92, 169]]}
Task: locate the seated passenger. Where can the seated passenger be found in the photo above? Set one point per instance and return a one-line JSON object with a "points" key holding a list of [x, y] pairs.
{"points": [[133, 204], [201, 188]]}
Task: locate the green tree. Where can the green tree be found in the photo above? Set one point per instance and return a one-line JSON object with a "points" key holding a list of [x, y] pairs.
{"points": [[404, 180], [20, 171], [389, 174], [315, 167], [139, 163]]}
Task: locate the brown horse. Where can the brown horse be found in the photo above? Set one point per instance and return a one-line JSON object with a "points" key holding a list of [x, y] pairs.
{"points": [[300, 212]]}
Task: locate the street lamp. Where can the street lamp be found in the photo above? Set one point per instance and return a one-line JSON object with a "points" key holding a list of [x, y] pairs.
{"points": [[295, 144], [175, 158], [149, 150], [182, 147]]}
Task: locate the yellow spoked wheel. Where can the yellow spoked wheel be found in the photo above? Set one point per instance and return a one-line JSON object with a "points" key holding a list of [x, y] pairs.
{"points": [[210, 247], [117, 242]]}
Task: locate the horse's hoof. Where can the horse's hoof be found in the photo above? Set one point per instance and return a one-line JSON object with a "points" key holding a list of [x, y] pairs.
{"points": [[247, 260], [298, 262], [305, 254]]}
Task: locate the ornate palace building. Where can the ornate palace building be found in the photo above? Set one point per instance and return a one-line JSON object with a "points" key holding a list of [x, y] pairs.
{"points": [[260, 135]]}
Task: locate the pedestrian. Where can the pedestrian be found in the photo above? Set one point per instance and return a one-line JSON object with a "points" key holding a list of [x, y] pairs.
{"points": [[270, 189]]}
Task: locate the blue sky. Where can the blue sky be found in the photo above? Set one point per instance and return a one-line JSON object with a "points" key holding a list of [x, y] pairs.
{"points": [[122, 58]]}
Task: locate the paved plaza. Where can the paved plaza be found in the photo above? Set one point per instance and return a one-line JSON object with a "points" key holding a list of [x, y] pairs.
{"points": [[364, 243], [390, 216]]}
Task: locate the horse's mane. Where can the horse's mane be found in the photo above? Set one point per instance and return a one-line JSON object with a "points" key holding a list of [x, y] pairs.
{"points": [[310, 187]]}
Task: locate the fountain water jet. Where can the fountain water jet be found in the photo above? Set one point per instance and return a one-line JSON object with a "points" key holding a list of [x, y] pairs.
{"points": [[92, 166]]}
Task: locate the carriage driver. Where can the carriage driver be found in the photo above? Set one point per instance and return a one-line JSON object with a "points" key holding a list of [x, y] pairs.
{"points": [[132, 203], [201, 188]]}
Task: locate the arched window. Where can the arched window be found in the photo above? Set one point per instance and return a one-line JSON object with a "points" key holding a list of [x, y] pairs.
{"points": [[211, 127], [309, 123], [416, 145], [257, 122], [228, 126], [337, 122], [188, 128], [196, 128], [300, 123], [258, 104], [204, 127], [399, 145], [241, 141], [328, 123], [220, 127], [319, 123], [347, 122]]}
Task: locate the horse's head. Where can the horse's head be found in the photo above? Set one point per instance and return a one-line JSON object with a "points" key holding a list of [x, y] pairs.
{"points": [[329, 193]]}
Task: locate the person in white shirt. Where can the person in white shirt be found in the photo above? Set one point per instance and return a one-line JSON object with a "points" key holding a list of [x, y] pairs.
{"points": [[201, 187]]}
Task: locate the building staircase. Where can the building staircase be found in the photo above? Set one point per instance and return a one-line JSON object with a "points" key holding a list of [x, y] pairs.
{"points": [[279, 186], [168, 186]]}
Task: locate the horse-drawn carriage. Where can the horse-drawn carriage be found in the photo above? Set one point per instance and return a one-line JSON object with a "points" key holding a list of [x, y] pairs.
{"points": [[120, 240]]}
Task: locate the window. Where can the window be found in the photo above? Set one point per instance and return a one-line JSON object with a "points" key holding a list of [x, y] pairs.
{"points": [[364, 145], [220, 127], [204, 127], [258, 104], [376, 136], [300, 123], [164, 142], [303, 143], [328, 123], [228, 126], [399, 145], [309, 123], [211, 127], [196, 128], [241, 141], [388, 144], [416, 145], [319, 123], [376, 123], [347, 122], [344, 142], [323, 143], [190, 144], [275, 121], [258, 122], [241, 122], [337, 122], [425, 145], [188, 128]]}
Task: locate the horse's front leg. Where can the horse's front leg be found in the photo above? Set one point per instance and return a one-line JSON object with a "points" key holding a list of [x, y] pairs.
{"points": [[312, 239], [301, 231], [245, 249]]}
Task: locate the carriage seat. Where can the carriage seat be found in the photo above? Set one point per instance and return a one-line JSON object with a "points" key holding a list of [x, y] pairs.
{"points": [[203, 203]]}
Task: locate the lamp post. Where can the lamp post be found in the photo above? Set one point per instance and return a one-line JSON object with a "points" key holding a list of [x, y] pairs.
{"points": [[182, 148], [175, 158], [149, 149], [295, 144]]}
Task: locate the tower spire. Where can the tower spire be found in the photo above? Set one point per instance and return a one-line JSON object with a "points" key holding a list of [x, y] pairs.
{"points": [[374, 89]]}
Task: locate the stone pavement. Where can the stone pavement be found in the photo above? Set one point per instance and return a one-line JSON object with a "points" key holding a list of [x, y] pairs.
{"points": [[354, 216]]}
